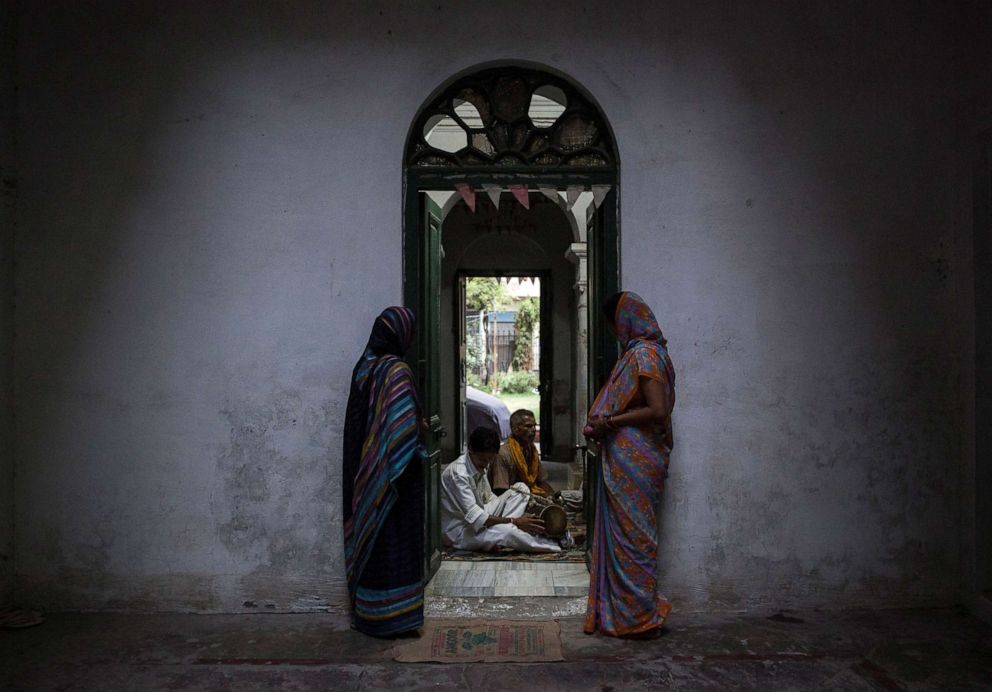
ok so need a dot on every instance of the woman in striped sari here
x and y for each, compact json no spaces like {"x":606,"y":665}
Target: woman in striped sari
{"x":631,"y":419}
{"x":383,"y":484}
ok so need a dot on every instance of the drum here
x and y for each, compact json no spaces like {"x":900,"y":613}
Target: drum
{"x":555,"y":521}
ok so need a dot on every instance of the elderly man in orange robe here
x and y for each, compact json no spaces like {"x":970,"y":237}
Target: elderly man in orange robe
{"x":519,"y":460}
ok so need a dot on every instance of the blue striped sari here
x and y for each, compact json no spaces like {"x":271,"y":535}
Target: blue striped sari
{"x":383,"y":485}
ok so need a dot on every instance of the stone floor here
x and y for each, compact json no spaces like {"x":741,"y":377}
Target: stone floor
{"x":862,"y":650}
{"x":505,"y":578}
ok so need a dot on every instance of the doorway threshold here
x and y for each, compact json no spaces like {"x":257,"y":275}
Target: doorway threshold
{"x":505,"y":608}
{"x":507,"y":589}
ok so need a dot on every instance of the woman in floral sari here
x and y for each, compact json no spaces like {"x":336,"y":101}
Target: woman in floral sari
{"x":631,"y":419}
{"x":383,"y":484}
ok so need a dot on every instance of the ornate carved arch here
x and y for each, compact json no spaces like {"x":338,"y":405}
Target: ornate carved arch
{"x":511,"y":117}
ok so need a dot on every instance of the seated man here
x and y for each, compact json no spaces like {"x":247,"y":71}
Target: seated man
{"x":519,"y":460}
{"x":472,"y":517}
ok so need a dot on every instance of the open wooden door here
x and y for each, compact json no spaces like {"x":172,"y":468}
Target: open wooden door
{"x":604,"y":281}
{"x":461,"y":344}
{"x":428,"y":372}
{"x":545,"y":366}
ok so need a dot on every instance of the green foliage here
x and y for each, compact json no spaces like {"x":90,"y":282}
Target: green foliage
{"x":518,"y":382}
{"x":473,"y":380}
{"x":475,"y":356}
{"x":528,"y":314}
{"x":530,"y":401}
{"x":484,"y":293}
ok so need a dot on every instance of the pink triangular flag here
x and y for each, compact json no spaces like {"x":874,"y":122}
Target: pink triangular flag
{"x":467,"y":193}
{"x":520,"y":192}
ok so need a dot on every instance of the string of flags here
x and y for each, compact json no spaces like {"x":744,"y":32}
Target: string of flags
{"x":522,"y":194}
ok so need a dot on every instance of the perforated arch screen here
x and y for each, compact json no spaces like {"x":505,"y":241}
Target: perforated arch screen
{"x":511,"y":117}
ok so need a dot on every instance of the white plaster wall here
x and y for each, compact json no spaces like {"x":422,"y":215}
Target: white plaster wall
{"x":210,"y":218}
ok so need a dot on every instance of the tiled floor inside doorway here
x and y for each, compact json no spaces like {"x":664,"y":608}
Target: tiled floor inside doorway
{"x":470,"y":579}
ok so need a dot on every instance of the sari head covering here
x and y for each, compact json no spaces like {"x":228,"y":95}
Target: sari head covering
{"x":634,"y":320}
{"x":392,"y":335}
{"x":382,"y":483}
{"x":644,"y":355}
{"x":623,"y":598}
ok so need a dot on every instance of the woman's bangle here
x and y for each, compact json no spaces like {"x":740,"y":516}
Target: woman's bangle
{"x":512,"y":523}
{"x":610,"y":423}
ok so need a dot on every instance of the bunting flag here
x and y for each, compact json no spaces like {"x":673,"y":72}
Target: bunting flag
{"x":549,"y":192}
{"x":440,"y":198}
{"x":599,"y":193}
{"x":494,"y":192}
{"x":467,"y":193}
{"x":520,"y":192}
{"x":572,"y":194}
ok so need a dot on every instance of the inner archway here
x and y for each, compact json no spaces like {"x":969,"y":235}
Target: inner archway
{"x":507,"y":242}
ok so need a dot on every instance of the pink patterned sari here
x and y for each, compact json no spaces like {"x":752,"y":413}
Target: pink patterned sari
{"x":623,"y":595}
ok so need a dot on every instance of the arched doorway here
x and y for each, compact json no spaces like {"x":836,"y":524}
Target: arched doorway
{"x":503,"y":135}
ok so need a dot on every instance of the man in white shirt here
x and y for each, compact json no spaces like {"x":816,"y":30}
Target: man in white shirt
{"x":473,"y":518}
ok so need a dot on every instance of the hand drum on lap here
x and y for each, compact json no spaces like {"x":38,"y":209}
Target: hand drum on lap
{"x":555,"y":521}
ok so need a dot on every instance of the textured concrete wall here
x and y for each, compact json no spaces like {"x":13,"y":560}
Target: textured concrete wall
{"x":210,"y":218}
{"x":8,"y":198}
{"x":974,"y":144}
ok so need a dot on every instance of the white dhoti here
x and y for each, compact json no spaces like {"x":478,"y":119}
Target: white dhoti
{"x":510,"y":505}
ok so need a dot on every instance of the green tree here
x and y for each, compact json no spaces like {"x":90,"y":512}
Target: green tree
{"x":484,"y":293}
{"x":528,"y":314}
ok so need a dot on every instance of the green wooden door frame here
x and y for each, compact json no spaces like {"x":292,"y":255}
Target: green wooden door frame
{"x":603,"y":243}
{"x":424,"y":360}
{"x":604,"y":280}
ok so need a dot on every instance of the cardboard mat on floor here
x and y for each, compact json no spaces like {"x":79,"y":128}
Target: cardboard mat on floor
{"x":464,"y":640}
